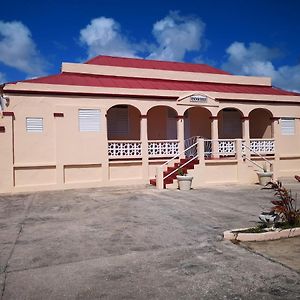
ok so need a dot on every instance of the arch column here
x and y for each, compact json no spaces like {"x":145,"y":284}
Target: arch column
{"x":104,"y":137}
{"x":276,"y":137}
{"x":144,"y":141}
{"x":215,"y":136}
{"x":180,"y":134}
{"x":246,"y":128}
{"x":246,"y":135}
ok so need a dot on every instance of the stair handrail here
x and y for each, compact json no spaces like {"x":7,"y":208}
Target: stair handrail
{"x":180,"y":166}
{"x":178,"y":154}
{"x":251,"y":150}
{"x":253,"y":162}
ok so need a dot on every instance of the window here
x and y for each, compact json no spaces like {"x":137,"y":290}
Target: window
{"x":287,"y":126}
{"x":34,"y":125}
{"x":118,"y":123}
{"x":89,"y":120}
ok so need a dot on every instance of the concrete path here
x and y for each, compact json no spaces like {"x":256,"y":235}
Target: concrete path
{"x":136,"y":243}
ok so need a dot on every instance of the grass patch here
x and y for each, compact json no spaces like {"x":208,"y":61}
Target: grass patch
{"x":258,"y":229}
{"x":261,"y":228}
{"x":286,"y":225}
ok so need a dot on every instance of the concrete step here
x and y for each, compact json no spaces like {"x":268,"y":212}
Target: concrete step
{"x":171,"y":178}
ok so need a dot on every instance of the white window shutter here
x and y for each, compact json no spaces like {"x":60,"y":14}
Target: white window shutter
{"x":287,"y":126}
{"x":89,"y":120}
{"x":34,"y":125}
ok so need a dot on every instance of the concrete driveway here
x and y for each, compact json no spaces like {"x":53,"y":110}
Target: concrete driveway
{"x":136,"y":243}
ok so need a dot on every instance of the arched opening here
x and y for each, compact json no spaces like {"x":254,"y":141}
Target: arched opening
{"x":197,"y":122}
{"x":260,"y":124}
{"x":162,"y":123}
{"x":230,"y":123}
{"x":123,"y":123}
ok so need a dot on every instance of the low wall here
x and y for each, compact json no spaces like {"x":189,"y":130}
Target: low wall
{"x":289,"y":166}
{"x":49,"y":176}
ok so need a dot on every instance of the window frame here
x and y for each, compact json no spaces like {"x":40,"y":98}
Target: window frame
{"x":287,"y":130}
{"x":86,"y":125}
{"x":34,"y":128}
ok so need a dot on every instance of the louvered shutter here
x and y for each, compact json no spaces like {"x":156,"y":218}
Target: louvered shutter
{"x":118,"y":121}
{"x":287,"y":126}
{"x":34,"y":125}
{"x":89,"y":120}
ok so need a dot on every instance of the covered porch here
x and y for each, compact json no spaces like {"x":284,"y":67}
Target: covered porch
{"x":164,"y":132}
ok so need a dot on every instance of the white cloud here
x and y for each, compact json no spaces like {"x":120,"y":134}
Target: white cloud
{"x":103,"y":36}
{"x":289,"y":77}
{"x":175,"y":35}
{"x":18,"y":50}
{"x":2,"y":78}
{"x":256,"y":59}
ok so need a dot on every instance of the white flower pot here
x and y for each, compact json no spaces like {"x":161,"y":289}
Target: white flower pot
{"x":264,"y":177}
{"x":184,"y":182}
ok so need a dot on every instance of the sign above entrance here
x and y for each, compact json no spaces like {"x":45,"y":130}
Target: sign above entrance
{"x":198,"y":98}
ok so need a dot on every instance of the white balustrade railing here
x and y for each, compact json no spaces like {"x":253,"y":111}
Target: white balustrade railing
{"x":163,"y":148}
{"x":261,"y":146}
{"x":224,"y":147}
{"x":124,"y":149}
{"x":169,"y":148}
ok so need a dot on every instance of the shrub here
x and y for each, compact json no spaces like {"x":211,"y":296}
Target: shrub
{"x":285,"y":205}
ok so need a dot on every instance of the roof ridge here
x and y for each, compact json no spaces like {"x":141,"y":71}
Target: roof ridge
{"x":150,"y":60}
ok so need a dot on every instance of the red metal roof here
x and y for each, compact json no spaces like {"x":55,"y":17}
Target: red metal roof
{"x":153,"y":64}
{"x":156,"y":84}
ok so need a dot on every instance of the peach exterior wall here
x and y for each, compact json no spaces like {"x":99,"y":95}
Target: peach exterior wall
{"x":62,"y":157}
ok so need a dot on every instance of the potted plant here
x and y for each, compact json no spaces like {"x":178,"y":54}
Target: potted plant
{"x":184,"y":180}
{"x":266,"y":176}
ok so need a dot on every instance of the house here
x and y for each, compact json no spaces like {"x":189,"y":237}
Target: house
{"x":113,"y":121}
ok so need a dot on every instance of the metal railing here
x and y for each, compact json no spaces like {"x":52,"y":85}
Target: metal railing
{"x":258,"y":154}
{"x":177,"y":156}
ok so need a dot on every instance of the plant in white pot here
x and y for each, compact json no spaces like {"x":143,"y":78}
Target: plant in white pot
{"x":265,"y":176}
{"x":184,"y":180}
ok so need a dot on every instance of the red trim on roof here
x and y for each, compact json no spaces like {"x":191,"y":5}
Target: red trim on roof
{"x":153,"y":64}
{"x":155,"y":84}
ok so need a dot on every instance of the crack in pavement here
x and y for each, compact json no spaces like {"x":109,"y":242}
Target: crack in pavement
{"x":21,"y":224}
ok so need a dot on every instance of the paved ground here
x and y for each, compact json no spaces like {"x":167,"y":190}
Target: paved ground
{"x":136,"y":243}
{"x":285,"y":251}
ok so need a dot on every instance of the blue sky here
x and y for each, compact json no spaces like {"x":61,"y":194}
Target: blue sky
{"x":242,"y":37}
